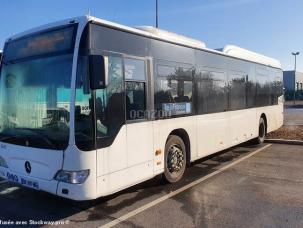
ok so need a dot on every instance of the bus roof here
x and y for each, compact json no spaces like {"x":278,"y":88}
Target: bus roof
{"x":149,"y":31}
{"x":173,"y":37}
{"x":242,"y":53}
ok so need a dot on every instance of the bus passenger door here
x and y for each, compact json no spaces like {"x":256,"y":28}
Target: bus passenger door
{"x":111,"y":128}
{"x":139,"y":130}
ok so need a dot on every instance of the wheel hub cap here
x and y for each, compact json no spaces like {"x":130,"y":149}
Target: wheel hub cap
{"x":175,"y":159}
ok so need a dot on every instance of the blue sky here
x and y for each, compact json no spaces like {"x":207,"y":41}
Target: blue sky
{"x":271,"y":27}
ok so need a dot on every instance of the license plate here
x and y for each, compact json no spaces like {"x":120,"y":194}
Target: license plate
{"x":22,"y":180}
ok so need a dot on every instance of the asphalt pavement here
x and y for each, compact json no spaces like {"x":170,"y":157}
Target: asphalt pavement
{"x":293,"y":116}
{"x":246,"y":186}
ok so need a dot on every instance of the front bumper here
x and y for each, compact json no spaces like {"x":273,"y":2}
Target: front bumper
{"x":43,"y":185}
{"x":78,"y":192}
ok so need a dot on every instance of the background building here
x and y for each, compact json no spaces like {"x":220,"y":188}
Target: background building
{"x":293,"y":81}
{"x":289,"y":79}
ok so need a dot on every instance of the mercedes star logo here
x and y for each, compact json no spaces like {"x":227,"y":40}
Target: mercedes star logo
{"x":28,"y":167}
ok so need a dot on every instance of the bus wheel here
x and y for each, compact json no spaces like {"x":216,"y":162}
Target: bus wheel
{"x":262,"y":132}
{"x":175,"y":159}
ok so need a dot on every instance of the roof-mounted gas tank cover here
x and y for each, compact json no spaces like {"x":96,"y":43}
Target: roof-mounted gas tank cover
{"x":242,"y":53}
{"x":173,"y":37}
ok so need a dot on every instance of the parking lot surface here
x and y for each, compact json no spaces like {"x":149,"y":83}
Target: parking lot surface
{"x":293,"y":116}
{"x":247,"y":186}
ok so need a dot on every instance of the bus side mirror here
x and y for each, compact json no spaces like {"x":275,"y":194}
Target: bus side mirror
{"x":98,"y":71}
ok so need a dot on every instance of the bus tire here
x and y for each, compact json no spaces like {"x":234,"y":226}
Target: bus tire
{"x":262,"y":132}
{"x":174,"y":159}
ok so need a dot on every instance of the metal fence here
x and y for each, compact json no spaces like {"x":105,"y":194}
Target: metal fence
{"x":289,"y":98}
{"x":289,"y":95}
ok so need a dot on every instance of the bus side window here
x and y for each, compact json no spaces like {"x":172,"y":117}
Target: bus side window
{"x":135,"y":88}
{"x":173,"y":85}
{"x":263,"y":95}
{"x":212,"y":91}
{"x":135,"y":100}
{"x":237,"y":94}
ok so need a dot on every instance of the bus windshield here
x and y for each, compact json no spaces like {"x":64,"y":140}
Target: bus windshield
{"x":35,"y":95}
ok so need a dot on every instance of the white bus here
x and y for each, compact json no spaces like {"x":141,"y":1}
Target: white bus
{"x":90,"y":107}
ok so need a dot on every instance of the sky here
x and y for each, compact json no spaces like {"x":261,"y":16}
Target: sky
{"x":269,"y":27}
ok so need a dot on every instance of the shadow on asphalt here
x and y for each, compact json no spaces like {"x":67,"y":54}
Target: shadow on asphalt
{"x":26,"y":204}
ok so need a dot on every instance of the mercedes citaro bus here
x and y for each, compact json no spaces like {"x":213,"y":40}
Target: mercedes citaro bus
{"x":90,"y":107}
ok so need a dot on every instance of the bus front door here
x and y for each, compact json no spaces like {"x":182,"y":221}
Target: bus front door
{"x":139,"y":131}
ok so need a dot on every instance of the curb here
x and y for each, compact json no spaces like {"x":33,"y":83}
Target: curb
{"x":285,"y":141}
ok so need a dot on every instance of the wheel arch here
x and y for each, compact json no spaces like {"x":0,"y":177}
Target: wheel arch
{"x":182,"y":133}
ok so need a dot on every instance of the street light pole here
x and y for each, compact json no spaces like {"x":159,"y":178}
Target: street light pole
{"x":295,"y":54}
{"x":157,"y":15}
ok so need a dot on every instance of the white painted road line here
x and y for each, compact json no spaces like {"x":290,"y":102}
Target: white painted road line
{"x":174,"y":193}
{"x":3,"y":181}
{"x":8,"y":190}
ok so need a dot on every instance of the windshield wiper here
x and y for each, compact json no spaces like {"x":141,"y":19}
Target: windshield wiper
{"x":8,"y":138}
{"x":40,"y":135}
{"x":28,"y":137}
{"x":7,"y":62}
{"x":48,"y":141}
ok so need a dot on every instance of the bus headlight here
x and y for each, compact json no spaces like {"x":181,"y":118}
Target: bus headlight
{"x":72,"y":177}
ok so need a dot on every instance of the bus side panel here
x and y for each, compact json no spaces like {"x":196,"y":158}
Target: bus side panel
{"x":114,"y":157}
{"x":111,"y":160}
{"x":213,"y":133}
{"x":117,"y":181}
{"x":140,"y":144}
{"x":128,"y":161}
{"x":162,"y":129}
{"x":274,"y":116}
{"x":243,"y":126}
